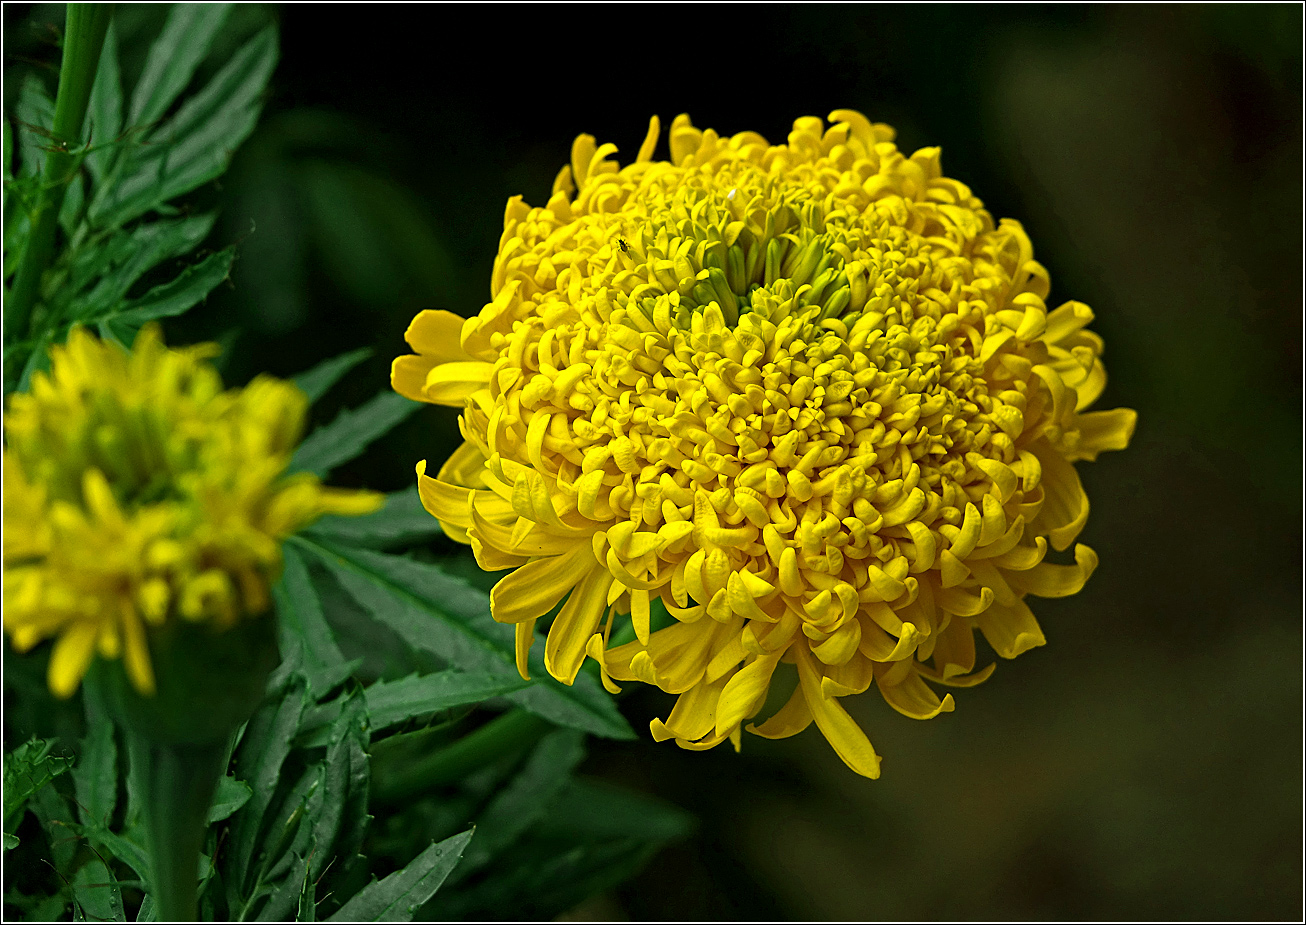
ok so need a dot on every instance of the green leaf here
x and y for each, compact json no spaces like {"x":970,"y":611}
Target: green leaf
{"x":306,"y":910}
{"x":196,"y":145}
{"x":56,"y":818}
{"x":400,"y":522}
{"x":35,"y":114}
{"x":302,"y":622}
{"x":354,"y":818}
{"x":96,"y":773}
{"x":287,"y":894}
{"x":73,"y":200}
{"x":525,"y":800}
{"x":27,"y":769}
{"x":258,"y":760}
{"x":128,"y":848}
{"x":8,"y":151}
{"x":186,"y":38}
{"x":399,"y":895}
{"x":433,"y":611}
{"x":231,"y":795}
{"x":142,"y":249}
{"x":317,"y":381}
{"x":591,"y":837}
{"x":104,"y":115}
{"x":392,"y":702}
{"x":97,"y":893}
{"x":592,"y":810}
{"x":352,"y":432}
{"x":11,"y":841}
{"x":38,"y":361}
{"x":173,"y":298}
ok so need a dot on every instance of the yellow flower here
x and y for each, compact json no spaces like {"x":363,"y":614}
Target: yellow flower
{"x":137,"y":491}
{"x":807,"y":395}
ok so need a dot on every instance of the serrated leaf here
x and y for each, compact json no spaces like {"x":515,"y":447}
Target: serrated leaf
{"x":8,"y":150}
{"x":173,"y":298}
{"x":56,"y":817}
{"x":97,"y":893}
{"x":196,"y":145}
{"x":592,"y":810}
{"x":71,"y":208}
{"x":401,"y":521}
{"x":433,"y":611}
{"x":352,"y":432}
{"x":285,"y":896}
{"x":143,"y":248}
{"x":302,"y":622}
{"x":258,"y":760}
{"x":187,"y":36}
{"x":128,"y":848}
{"x":317,"y":381}
{"x":35,"y":114}
{"x":104,"y":114}
{"x":399,"y":895}
{"x":354,"y":818}
{"x":231,"y":795}
{"x":38,"y":361}
{"x":518,"y":806}
{"x":27,"y":769}
{"x":392,"y":702}
{"x":96,"y":773}
{"x":306,"y":909}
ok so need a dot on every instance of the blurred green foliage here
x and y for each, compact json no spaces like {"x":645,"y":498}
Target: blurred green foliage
{"x":1147,"y":762}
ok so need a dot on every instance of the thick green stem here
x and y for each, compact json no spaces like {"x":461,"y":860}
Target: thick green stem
{"x":83,"y":40}
{"x":397,"y":780}
{"x":178,"y":782}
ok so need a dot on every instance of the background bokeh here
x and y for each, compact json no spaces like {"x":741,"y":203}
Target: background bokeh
{"x":1146,"y":763}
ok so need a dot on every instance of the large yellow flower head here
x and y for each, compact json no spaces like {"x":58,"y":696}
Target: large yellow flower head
{"x":137,"y":491}
{"x":808,"y":396}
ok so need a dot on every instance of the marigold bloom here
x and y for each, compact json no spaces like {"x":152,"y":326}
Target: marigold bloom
{"x":137,"y":491}
{"x":807,"y":395}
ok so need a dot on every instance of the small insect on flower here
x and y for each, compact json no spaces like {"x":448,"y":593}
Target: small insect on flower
{"x":625,"y":247}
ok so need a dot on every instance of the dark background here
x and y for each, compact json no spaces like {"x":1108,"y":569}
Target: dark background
{"x":1146,"y":763}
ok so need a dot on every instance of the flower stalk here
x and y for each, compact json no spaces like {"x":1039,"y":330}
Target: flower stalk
{"x":84,"y":33}
{"x":177,"y":783}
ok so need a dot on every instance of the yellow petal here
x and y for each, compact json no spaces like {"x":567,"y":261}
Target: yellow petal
{"x":564,"y":649}
{"x":437,"y":335}
{"x":534,"y":589}
{"x":449,"y":504}
{"x":1010,"y":630}
{"x":1100,"y":431}
{"x":789,"y":720}
{"x":524,"y":633}
{"x":839,"y":729}
{"x":745,"y":692}
{"x":454,"y":383}
{"x":408,"y":376}
{"x":71,"y":656}
{"x":1065,"y":505}
{"x":136,"y":655}
{"x":1048,"y":580}
{"x":912,"y":697}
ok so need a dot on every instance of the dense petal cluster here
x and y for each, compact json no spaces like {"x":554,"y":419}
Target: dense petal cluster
{"x":807,"y":396}
{"x":137,"y":491}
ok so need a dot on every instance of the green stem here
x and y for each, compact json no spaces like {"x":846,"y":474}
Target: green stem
{"x":397,"y":780}
{"x":83,"y":40}
{"x":178,"y":782}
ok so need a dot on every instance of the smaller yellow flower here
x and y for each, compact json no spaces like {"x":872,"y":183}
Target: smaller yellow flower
{"x":137,"y":491}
